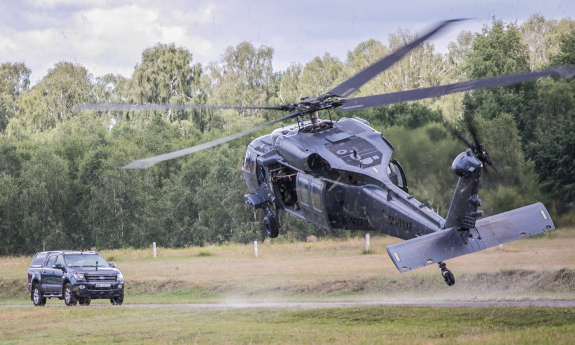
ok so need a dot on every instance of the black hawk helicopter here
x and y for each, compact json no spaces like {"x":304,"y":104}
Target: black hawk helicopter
{"x":341,"y":175}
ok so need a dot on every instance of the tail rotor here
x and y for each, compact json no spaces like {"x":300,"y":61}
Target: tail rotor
{"x":477,"y":147}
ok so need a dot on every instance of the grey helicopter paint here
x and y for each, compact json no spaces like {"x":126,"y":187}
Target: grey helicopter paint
{"x":334,"y":178}
{"x":341,"y":175}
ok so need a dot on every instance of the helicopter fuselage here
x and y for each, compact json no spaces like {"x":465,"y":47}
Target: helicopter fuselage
{"x":335,"y":175}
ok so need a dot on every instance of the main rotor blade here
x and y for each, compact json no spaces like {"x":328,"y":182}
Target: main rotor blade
{"x":148,"y":162}
{"x":352,"y":84}
{"x":565,"y":71}
{"x":138,"y":107}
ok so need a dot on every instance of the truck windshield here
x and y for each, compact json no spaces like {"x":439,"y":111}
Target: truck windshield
{"x":85,"y":260}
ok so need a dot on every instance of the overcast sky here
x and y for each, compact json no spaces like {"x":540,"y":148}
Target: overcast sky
{"x":109,"y":36}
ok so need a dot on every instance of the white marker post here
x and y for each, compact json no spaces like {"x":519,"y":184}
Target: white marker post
{"x":256,"y":248}
{"x":367,"y":242}
{"x":154,"y":246}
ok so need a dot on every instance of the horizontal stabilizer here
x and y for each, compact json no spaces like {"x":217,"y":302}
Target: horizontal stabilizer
{"x":490,"y":231}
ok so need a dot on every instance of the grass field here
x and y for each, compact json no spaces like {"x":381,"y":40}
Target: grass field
{"x":364,"y":325}
{"x":541,"y":268}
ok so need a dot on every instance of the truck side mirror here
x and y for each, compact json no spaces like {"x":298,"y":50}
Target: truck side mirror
{"x":58,"y":266}
{"x":112,"y":264}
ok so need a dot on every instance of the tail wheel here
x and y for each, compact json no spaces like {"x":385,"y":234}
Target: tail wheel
{"x":69,"y":298}
{"x":449,"y":278}
{"x":37,"y":296}
{"x":271,"y":226}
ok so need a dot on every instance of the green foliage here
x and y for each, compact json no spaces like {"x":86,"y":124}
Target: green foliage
{"x":14,"y":80}
{"x":50,"y":102}
{"x":541,"y":36}
{"x":61,"y":186}
{"x":411,"y":115}
{"x":566,"y":54}
{"x":164,"y":72}
{"x":499,"y":51}
{"x":244,"y":76}
{"x":552,"y":151}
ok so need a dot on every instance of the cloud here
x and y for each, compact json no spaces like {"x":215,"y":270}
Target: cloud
{"x":108,"y":36}
{"x":103,"y":39}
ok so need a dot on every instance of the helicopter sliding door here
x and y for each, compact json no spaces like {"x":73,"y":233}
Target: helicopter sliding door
{"x":311,"y":197}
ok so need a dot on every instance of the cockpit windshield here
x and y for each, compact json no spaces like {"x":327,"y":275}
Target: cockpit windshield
{"x":85,"y":260}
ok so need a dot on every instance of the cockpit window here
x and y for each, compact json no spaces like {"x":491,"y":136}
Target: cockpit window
{"x":247,"y":161}
{"x":396,"y":175}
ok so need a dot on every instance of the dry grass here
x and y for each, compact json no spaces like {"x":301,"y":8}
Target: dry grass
{"x":525,"y":269}
{"x":540,"y":268}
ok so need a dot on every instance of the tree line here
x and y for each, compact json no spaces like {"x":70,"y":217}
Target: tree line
{"x":61,"y":186}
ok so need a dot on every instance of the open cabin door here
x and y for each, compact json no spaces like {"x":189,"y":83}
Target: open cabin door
{"x":311,"y":198}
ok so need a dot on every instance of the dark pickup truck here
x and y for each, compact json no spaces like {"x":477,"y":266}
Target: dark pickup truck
{"x":74,"y":277}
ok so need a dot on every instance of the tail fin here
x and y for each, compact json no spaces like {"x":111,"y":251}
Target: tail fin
{"x":463,"y":209}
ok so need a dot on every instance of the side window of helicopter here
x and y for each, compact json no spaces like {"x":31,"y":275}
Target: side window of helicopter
{"x":302,"y":192}
{"x":253,"y":163}
{"x":396,"y":175}
{"x":262,"y":175}
{"x":316,"y":196}
{"x":247,"y":161}
{"x":253,"y":167}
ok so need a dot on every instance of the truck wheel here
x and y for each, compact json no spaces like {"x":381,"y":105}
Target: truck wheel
{"x":37,"y":296}
{"x":85,"y":301}
{"x":117,"y":300}
{"x":69,"y":298}
{"x":271,"y":226}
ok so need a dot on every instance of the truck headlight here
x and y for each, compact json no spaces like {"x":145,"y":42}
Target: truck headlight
{"x":120,"y":278}
{"x":79,"y":276}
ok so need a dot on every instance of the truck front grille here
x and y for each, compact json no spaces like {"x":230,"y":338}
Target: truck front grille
{"x":101,"y":278}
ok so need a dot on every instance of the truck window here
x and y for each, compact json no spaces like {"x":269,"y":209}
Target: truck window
{"x":59,"y":260}
{"x":51,"y":261}
{"x":38,"y":260}
{"x":85,"y":260}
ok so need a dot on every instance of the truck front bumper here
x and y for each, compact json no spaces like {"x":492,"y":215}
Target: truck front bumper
{"x":98,"y":290}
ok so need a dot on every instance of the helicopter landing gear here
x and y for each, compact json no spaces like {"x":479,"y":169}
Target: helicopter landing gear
{"x":446,"y":273}
{"x":271,"y":226}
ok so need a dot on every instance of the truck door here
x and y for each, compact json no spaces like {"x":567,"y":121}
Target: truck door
{"x":311,"y":197}
{"x":52,"y":277}
{"x":47,"y":279}
{"x":57,"y":274}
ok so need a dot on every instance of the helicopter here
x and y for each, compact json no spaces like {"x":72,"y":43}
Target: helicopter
{"x":341,"y":174}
